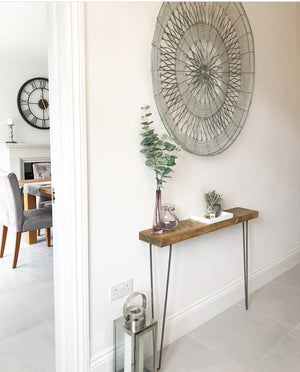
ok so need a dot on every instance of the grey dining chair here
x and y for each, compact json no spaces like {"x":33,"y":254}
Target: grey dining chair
{"x":13,"y":216}
{"x":42,"y":170}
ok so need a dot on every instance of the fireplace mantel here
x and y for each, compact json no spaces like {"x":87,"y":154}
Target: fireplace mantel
{"x":26,"y":145}
{"x":14,"y":155}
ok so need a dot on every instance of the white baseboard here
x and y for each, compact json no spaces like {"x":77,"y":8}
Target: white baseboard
{"x":103,"y":362}
{"x":183,"y":322}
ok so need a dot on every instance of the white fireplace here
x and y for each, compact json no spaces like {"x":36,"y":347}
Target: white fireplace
{"x":14,"y":156}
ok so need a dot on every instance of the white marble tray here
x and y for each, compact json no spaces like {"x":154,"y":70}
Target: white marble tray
{"x":223,"y":216}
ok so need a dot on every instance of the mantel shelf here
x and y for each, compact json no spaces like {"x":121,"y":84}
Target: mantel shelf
{"x":190,"y":229}
{"x":26,"y":145}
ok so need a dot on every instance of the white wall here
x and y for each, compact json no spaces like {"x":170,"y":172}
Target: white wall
{"x":23,"y":55}
{"x":259,"y":171}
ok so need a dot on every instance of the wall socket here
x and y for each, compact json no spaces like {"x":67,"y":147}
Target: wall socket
{"x":120,"y":290}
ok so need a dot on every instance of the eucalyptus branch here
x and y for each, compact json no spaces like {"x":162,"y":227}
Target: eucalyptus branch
{"x":157,"y":150}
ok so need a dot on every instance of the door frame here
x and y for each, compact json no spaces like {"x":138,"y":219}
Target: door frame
{"x":66,"y":58}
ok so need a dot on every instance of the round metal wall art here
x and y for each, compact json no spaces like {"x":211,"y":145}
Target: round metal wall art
{"x":203,"y":73}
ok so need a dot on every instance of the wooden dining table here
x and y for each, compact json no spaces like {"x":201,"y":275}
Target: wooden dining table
{"x":30,"y":203}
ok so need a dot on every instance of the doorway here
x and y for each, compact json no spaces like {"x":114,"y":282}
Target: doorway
{"x":26,"y":293}
{"x":66,"y":66}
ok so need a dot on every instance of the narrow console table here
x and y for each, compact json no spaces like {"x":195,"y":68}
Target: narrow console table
{"x":188,"y":229}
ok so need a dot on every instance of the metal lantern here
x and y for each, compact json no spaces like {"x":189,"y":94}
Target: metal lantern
{"x":135,"y":338}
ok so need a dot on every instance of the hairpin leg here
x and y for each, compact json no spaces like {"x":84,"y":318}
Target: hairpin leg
{"x":165,"y":308}
{"x":151,"y":281}
{"x":245,"y":253}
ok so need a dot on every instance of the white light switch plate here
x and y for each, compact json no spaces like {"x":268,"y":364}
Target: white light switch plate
{"x":120,"y":290}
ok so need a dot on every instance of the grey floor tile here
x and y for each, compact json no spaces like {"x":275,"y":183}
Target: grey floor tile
{"x":277,"y":301}
{"x":41,"y":268}
{"x":285,"y":357}
{"x":30,"y":351}
{"x":12,"y":279}
{"x":40,"y":300}
{"x":27,"y":252}
{"x":6,"y":365}
{"x":290,"y":278}
{"x":26,"y":309}
{"x":33,"y":267}
{"x":186,"y":355}
{"x":244,"y":336}
{"x":15,"y":317}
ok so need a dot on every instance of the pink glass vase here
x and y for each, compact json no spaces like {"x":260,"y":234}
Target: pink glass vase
{"x":157,"y":218}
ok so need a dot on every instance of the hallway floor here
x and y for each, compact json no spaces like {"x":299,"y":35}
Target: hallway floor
{"x":266,"y":338}
{"x":26,"y":309}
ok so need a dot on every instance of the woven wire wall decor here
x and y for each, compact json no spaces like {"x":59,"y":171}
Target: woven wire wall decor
{"x":203,"y":73}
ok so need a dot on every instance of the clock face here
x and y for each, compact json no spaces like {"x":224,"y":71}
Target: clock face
{"x":33,"y":102}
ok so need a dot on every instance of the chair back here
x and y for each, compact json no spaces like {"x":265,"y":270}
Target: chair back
{"x":41,"y":170}
{"x":11,"y":204}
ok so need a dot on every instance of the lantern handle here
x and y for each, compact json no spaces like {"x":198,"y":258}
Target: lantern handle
{"x":131,"y":297}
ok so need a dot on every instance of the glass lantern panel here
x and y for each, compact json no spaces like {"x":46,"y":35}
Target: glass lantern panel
{"x":134,"y":352}
{"x":145,"y":350}
{"x":124,"y":357}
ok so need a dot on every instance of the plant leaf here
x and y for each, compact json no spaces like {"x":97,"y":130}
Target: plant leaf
{"x":167,"y":171}
{"x":169,"y":146}
{"x":148,"y":133}
{"x":147,"y":141}
{"x":149,"y":162}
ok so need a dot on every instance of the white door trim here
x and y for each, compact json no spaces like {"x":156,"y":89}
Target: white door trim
{"x":69,"y":177}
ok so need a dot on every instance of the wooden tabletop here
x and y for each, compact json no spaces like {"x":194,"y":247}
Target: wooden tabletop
{"x":43,"y":190}
{"x":189,"y":228}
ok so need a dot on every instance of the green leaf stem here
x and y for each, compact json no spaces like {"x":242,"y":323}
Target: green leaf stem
{"x":157,"y":150}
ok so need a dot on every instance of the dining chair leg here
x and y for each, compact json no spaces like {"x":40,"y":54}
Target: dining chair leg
{"x":17,"y":248}
{"x":48,"y":236}
{"x":3,"y":240}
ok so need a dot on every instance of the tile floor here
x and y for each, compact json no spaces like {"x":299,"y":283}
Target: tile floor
{"x":266,"y":338}
{"x":26,"y":309}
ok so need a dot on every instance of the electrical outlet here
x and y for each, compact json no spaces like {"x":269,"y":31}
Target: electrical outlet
{"x":120,"y":290}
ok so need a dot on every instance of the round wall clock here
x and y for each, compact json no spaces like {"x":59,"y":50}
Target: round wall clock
{"x":33,"y":102}
{"x":203,"y":73}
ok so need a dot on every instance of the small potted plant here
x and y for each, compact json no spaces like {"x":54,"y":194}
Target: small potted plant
{"x":213,"y":202}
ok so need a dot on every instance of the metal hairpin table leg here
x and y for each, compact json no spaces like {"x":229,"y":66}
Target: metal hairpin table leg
{"x":151,"y":281}
{"x":245,"y":253}
{"x":165,"y":308}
